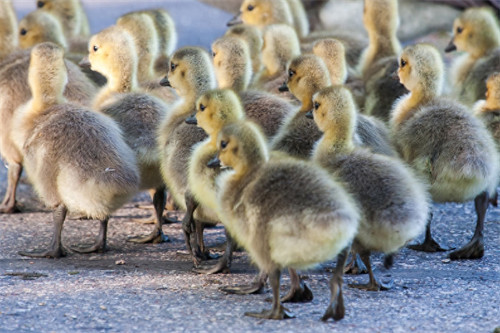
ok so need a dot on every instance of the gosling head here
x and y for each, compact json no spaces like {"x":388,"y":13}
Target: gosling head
{"x":9,"y":31}
{"x":190,"y":72}
{"x":307,"y":74}
{"x":334,"y":112}
{"x":232,"y":63}
{"x":217,"y":108}
{"x":281,"y":45}
{"x":253,"y":37}
{"x":241,"y":147}
{"x":332,"y":52}
{"x":142,"y":29}
{"x":70,"y":13}
{"x":380,"y":17}
{"x":421,"y":69}
{"x":112,"y":53}
{"x":476,"y":32}
{"x":38,"y":27}
{"x":264,"y":12}
{"x":47,"y":75}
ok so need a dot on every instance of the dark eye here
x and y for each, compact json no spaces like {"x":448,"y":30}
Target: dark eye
{"x":459,"y":30}
{"x":23,"y":32}
{"x":316,"y":105}
{"x":291,"y":73}
{"x":40,"y":4}
{"x":214,"y":54}
{"x":202,"y":107}
{"x":250,"y":8}
{"x":223,"y":144}
{"x":95,"y":48}
{"x":172,"y":66}
{"x":403,"y":63}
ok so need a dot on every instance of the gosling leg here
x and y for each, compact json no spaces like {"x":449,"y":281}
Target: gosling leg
{"x":100,"y":243}
{"x":152,"y":218}
{"x":429,"y":244}
{"x":373,"y":284}
{"x":224,"y":263}
{"x":355,"y":266}
{"x":475,"y":248}
{"x":336,"y":309}
{"x":8,"y":204}
{"x":55,"y":250}
{"x":156,"y":236}
{"x":299,"y":291}
{"x":278,"y":311}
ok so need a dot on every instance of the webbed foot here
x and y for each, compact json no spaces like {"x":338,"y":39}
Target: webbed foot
{"x":429,"y":245}
{"x":279,"y":314}
{"x":300,"y":294}
{"x":100,"y":248}
{"x":336,"y":312}
{"x":221,"y":267}
{"x":244,"y":289}
{"x":156,"y":237}
{"x":355,"y":266}
{"x":52,"y":253}
{"x":9,"y":209}
{"x":373,"y":286}
{"x":473,"y":250}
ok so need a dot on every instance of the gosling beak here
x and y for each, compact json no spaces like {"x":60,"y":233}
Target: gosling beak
{"x":192,"y":120}
{"x":235,"y":20}
{"x":451,"y":47}
{"x":283,"y":87}
{"x":84,"y":63}
{"x":214,"y":163}
{"x":165,"y":82}
{"x":310,"y":114}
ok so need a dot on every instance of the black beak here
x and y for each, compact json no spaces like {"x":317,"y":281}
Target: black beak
{"x":214,"y":163}
{"x":84,"y":63}
{"x":192,"y":120}
{"x":310,"y":115}
{"x":235,"y":20}
{"x":165,"y":82}
{"x":451,"y":47}
{"x":283,"y":87}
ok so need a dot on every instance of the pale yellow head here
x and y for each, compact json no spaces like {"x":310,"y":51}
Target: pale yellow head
{"x":242,"y":147}
{"x":191,"y":72}
{"x":253,"y":37}
{"x":307,"y":74}
{"x":265,"y":12}
{"x":476,"y":31}
{"x":332,"y":52}
{"x":38,"y":27}
{"x":421,"y":69}
{"x":217,"y":108}
{"x":232,"y":63}
{"x":381,"y":17}
{"x":71,"y":14}
{"x":47,"y":76}
{"x":8,"y":28}
{"x":112,"y":53}
{"x":142,"y":29}
{"x":335,"y":115}
{"x":281,"y":45}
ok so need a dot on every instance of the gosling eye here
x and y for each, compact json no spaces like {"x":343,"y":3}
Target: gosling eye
{"x":291,"y":73}
{"x":459,"y":30}
{"x":172,"y":67}
{"x":403,"y":63}
{"x":40,"y":4}
{"x":23,"y":32}
{"x":250,"y":8}
{"x":223,"y":144}
{"x":214,"y":54}
{"x":316,"y":105}
{"x":95,"y":48}
{"x":202,"y":107}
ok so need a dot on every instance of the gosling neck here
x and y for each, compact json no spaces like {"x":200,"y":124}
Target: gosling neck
{"x":406,"y":106}
{"x":44,"y":97}
{"x":336,"y":141}
{"x":380,"y":46}
{"x":124,"y":80}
